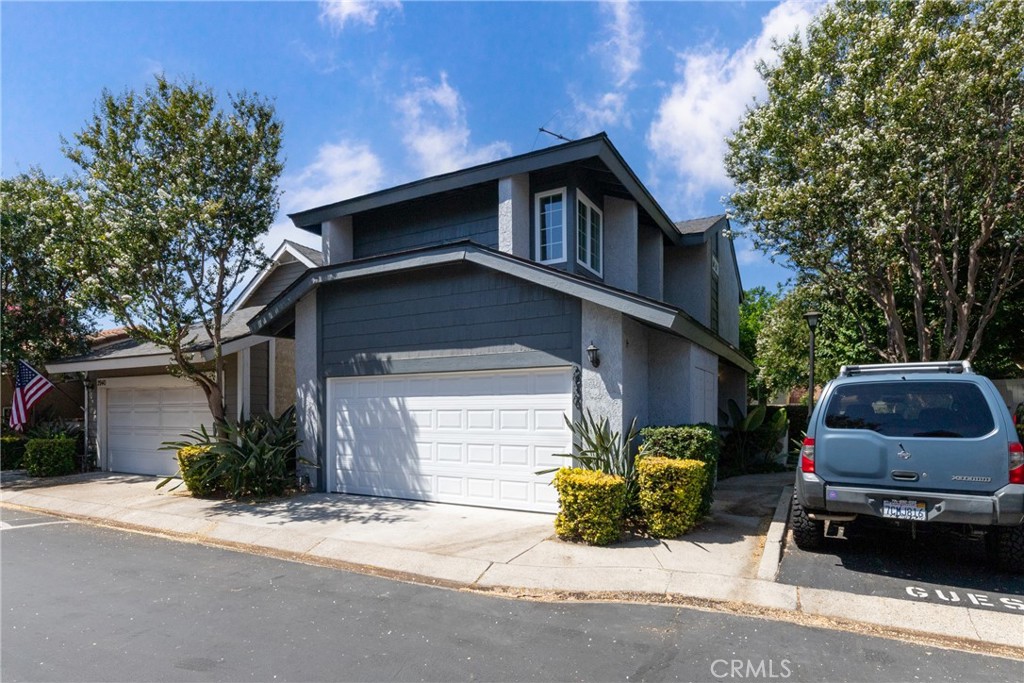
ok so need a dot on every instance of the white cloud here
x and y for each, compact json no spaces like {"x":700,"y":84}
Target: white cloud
{"x":436,"y":131}
{"x":746,"y":254}
{"x":340,"y":13}
{"x":283,"y":230}
{"x":620,"y":52}
{"x":688,"y":133}
{"x":341,"y":170}
{"x":621,"y":49}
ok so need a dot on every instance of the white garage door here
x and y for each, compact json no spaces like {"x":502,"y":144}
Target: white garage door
{"x":474,"y":438}
{"x":140,"y":418}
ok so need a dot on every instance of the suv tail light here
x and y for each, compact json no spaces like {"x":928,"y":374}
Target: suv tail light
{"x":1016,"y":463}
{"x":807,"y":456}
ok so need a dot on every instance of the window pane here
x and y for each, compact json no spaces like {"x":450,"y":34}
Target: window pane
{"x":908,"y":408}
{"x":551,"y":228}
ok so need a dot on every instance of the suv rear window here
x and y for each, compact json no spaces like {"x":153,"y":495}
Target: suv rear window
{"x":908,"y":408}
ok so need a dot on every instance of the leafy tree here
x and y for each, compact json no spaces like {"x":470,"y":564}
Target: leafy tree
{"x":177,"y":193}
{"x":784,"y":340}
{"x":756,"y":305}
{"x":44,"y":316}
{"x":887,"y":162}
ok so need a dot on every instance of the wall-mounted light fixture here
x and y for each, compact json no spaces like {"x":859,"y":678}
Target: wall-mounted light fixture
{"x":592,"y":354}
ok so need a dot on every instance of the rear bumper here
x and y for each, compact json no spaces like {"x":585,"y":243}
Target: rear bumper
{"x":1005,"y":507}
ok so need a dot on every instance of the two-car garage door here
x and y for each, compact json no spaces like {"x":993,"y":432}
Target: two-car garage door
{"x":474,"y":438}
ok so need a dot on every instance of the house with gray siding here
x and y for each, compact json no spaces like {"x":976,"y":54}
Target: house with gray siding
{"x":134,"y":404}
{"x":457,"y":319}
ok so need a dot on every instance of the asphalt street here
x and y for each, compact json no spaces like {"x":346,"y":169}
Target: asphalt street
{"x":83,"y":603}
{"x":938,"y":567}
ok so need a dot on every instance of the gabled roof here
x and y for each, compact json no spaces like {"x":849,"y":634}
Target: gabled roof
{"x":279,"y":313}
{"x":308,"y":256}
{"x":314,"y":256}
{"x":699,"y":230}
{"x":701,"y":226}
{"x":133,"y":354}
{"x":597,"y":147}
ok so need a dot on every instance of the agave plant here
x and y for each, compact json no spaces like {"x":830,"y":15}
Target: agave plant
{"x":603,"y":450}
{"x":252,"y":457}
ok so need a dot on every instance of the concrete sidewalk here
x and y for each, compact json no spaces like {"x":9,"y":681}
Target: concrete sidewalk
{"x":731,"y":559}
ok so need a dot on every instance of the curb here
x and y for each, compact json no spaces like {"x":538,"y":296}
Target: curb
{"x":772,"y":556}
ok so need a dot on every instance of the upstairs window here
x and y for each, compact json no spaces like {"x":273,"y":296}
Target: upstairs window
{"x":550,"y":226}
{"x":589,"y":235}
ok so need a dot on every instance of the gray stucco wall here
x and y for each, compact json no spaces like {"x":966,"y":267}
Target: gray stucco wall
{"x":336,"y":240}
{"x":514,"y":215}
{"x":687,"y":280}
{"x":729,"y":293}
{"x":454,"y":318}
{"x":307,"y":386}
{"x":620,"y":243}
{"x":650,"y":261}
{"x":669,"y":379}
{"x":636,"y":357}
{"x":472,"y":214}
{"x":602,"y":386}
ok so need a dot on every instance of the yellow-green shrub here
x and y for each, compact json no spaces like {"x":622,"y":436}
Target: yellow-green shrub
{"x":197,"y":466}
{"x":688,"y":442}
{"x":592,"y":505}
{"x":670,"y":494}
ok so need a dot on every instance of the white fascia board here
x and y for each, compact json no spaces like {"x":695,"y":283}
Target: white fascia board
{"x":123,"y":363}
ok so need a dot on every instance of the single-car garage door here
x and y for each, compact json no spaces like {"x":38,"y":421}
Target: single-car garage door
{"x":475,"y":438}
{"x":141,"y":416}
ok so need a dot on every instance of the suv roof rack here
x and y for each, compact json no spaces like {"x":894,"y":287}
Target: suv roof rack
{"x":948,"y":366}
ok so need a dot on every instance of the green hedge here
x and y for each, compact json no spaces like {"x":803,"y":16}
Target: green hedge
{"x":592,"y":505}
{"x":670,"y":494}
{"x":12,"y":450}
{"x":1020,"y":432}
{"x":198,"y":465}
{"x":49,"y":457}
{"x":700,"y":442}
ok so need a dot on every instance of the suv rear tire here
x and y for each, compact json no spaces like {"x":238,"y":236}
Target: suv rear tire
{"x":1008,"y":547}
{"x":808,"y":533}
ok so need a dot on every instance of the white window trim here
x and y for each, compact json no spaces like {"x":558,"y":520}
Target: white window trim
{"x":565,"y":224}
{"x":593,"y":207}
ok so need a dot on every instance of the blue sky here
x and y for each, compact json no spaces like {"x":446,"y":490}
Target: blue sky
{"x":373,"y":94}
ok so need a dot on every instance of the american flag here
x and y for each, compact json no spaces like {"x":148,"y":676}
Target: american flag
{"x":29,"y":387}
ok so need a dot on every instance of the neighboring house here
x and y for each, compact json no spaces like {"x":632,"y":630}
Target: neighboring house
{"x":453,"y":322}
{"x":134,"y":403}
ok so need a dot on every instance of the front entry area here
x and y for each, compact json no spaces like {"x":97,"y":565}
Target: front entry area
{"x":474,"y":438}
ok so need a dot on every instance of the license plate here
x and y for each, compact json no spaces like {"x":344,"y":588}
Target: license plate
{"x":913,"y":510}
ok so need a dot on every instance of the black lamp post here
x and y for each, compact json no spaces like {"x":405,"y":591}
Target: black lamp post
{"x":812,"y":318}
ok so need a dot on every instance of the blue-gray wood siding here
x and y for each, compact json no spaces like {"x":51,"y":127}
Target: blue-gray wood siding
{"x":471,"y":317}
{"x":470,"y":214}
{"x":276,"y":282}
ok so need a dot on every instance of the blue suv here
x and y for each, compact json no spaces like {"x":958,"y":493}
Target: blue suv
{"x":915,"y":444}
